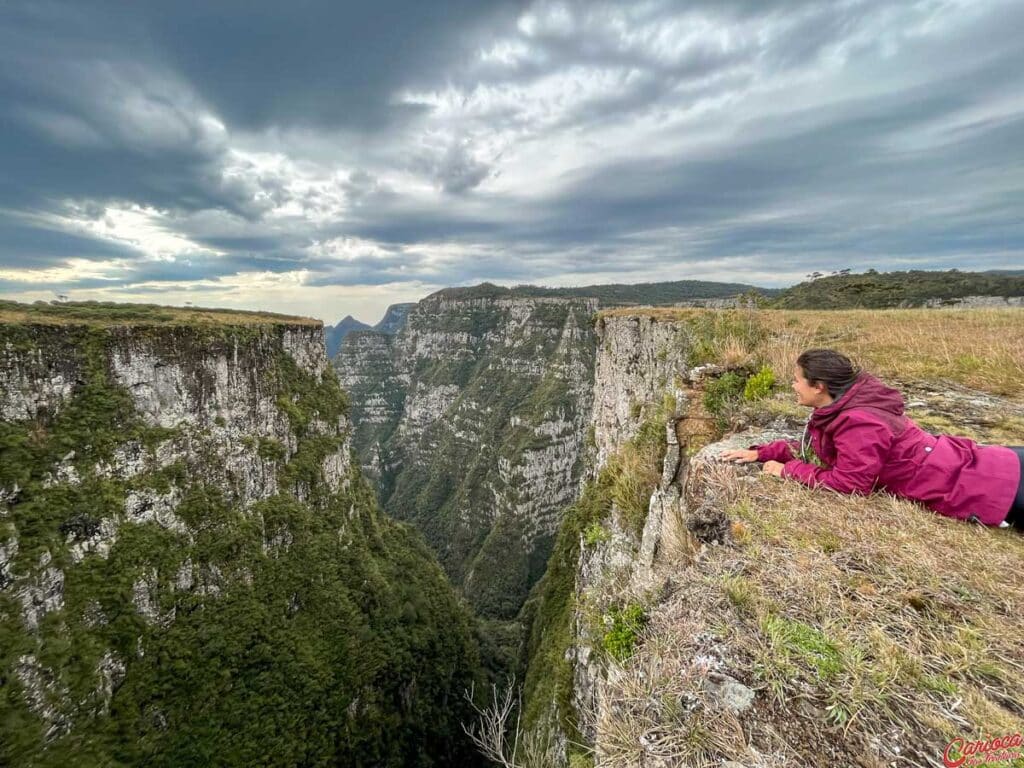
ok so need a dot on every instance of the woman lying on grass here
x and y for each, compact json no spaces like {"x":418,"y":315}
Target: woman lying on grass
{"x":858,"y":431}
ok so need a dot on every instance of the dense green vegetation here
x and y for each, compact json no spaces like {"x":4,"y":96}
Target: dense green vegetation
{"x":625,"y":626}
{"x":315,"y":633}
{"x":874,"y":290}
{"x":614,"y":294}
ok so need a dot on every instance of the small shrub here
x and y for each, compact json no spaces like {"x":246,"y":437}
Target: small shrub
{"x":624,"y":630}
{"x":669,"y":406}
{"x":807,"y":454}
{"x":269,"y":448}
{"x":760,"y":385}
{"x":795,"y":639}
{"x":720,"y":392}
{"x":724,"y":337}
{"x":939,"y":684}
{"x":595,"y":534}
{"x":741,"y":593}
{"x":633,"y":475}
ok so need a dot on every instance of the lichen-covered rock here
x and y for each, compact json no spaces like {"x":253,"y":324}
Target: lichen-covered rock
{"x":34,"y":379}
{"x":728,"y":693}
{"x":41,"y":593}
{"x":46,"y":697}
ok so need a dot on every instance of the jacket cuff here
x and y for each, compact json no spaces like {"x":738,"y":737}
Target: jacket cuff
{"x":776,"y":451}
{"x":792,"y":469}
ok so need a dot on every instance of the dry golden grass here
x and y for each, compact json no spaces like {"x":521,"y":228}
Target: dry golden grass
{"x":979,"y":348}
{"x":856,"y":620}
{"x":654,"y":710}
{"x":105,"y":314}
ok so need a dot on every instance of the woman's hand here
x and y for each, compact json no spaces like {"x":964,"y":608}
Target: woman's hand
{"x":738,"y":456}
{"x":773,"y":468}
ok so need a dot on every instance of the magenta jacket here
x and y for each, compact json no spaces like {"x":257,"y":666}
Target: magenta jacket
{"x":866,"y":443}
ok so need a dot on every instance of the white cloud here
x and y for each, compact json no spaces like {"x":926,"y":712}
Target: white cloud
{"x":72,"y":271}
{"x":144,"y":229}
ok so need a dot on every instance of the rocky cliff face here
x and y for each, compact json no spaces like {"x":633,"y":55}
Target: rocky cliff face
{"x":597,"y":555}
{"x":647,"y":408}
{"x":184,"y":540}
{"x":638,"y":361}
{"x":473,"y":418}
{"x":394,"y":318}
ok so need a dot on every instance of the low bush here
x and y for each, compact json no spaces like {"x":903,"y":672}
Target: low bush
{"x":624,"y":628}
{"x":760,"y":385}
{"x":595,"y":534}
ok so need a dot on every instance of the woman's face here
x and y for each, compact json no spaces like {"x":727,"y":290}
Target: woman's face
{"x":813,"y":396}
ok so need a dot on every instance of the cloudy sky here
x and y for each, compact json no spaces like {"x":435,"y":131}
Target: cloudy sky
{"x":327,"y":158}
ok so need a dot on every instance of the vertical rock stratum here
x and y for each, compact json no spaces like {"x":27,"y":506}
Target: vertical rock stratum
{"x":473,"y":419}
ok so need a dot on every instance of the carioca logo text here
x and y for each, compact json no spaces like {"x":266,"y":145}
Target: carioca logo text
{"x":958,"y":750}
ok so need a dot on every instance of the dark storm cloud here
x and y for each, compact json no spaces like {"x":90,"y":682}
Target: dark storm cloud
{"x":321,"y":63}
{"x":69,"y":73}
{"x":847,"y":164}
{"x":369,"y":143}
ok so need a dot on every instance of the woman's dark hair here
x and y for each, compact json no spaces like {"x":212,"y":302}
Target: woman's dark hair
{"x":831,"y":368}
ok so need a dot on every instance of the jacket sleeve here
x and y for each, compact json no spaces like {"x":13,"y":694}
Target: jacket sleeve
{"x":861,"y":447}
{"x":779,"y":450}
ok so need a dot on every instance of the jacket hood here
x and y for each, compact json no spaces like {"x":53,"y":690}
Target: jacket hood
{"x":866,"y":393}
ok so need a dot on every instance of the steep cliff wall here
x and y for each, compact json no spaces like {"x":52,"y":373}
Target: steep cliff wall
{"x":608,"y":538}
{"x":473,"y":418}
{"x":191,"y":569}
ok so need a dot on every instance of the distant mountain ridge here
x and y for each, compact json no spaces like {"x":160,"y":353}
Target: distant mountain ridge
{"x":394,"y":318}
{"x":915,"y":288}
{"x":333,"y":335}
{"x":391,"y":323}
{"x":613,"y":294}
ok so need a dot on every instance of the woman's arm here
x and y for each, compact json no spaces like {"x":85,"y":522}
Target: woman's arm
{"x":779,"y":450}
{"x":862,"y":445}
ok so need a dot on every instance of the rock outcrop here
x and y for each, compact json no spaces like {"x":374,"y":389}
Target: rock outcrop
{"x":975,"y":302}
{"x":650,"y":639}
